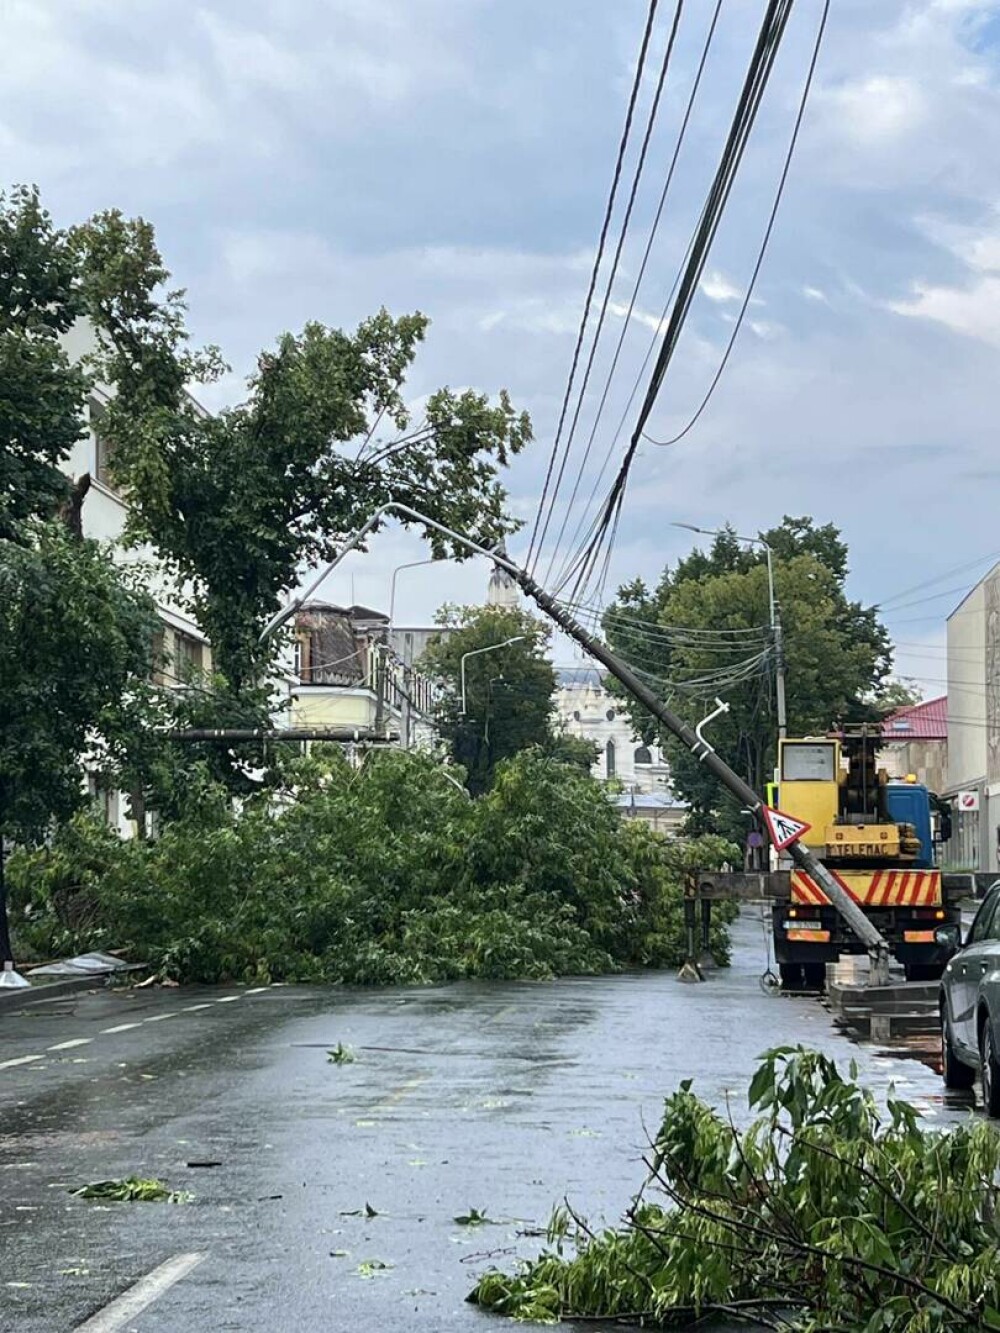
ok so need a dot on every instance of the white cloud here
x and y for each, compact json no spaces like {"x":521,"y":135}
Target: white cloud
{"x":973,"y":310}
{"x":718,"y":288}
{"x":879,"y":108}
{"x":814,"y":294}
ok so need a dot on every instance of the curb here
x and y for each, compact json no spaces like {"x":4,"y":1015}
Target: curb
{"x":15,"y":1000}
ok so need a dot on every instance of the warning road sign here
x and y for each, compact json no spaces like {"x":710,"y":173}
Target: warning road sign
{"x":784,"y":829}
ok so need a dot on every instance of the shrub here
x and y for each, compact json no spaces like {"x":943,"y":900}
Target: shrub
{"x":828,"y":1212}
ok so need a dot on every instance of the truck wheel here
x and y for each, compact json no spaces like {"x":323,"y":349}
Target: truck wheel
{"x":989,"y":1069}
{"x":923,"y":971}
{"x":814,"y":976}
{"x":953,"y":1071}
{"x":791,"y":976}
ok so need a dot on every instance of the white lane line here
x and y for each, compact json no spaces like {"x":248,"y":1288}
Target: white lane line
{"x":256,"y":990}
{"x":20,"y":1060}
{"x":227,"y":999}
{"x":138,"y":1297}
{"x":158,"y":1018}
{"x":189,"y":1008}
{"x":122,"y":1027}
{"x":68,"y":1045}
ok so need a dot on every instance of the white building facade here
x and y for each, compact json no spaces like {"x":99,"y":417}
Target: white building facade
{"x":974,"y":727}
{"x":586,"y":709}
{"x":182,"y":647}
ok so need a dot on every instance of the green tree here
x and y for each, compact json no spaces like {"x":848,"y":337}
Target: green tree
{"x":895,"y":694}
{"x":41,"y":393}
{"x":76,"y":631}
{"x":576,"y":751}
{"x":76,"y":642}
{"x":239,"y":503}
{"x":508,"y":690}
{"x":704,"y":632}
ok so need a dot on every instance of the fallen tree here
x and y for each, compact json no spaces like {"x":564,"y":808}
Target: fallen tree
{"x":827,"y":1214}
{"x":384,"y":875}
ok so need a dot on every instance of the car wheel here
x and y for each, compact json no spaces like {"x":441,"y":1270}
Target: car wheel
{"x":989,"y":1070}
{"x":953,"y":1071}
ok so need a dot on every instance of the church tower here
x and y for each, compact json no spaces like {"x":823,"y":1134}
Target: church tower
{"x":501,"y":590}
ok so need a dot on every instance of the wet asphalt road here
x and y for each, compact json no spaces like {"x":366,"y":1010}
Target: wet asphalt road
{"x":498,"y":1097}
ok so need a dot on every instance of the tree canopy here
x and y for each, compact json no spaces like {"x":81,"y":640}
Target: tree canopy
{"x":76,"y":631}
{"x":508,"y":690}
{"x":704,"y":631}
{"x":41,"y":393}
{"x":239,"y":503}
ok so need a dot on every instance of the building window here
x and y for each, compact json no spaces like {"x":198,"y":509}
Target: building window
{"x":610,"y":715}
{"x":642,"y":755}
{"x":609,"y":759}
{"x":102,"y":446}
{"x":188,"y":655}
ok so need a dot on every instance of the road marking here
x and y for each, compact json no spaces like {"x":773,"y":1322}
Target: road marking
{"x":138,"y":1297}
{"x":20,"y":1060}
{"x":189,"y":1008}
{"x":122,"y":1027}
{"x":399,"y":1093}
{"x":502,"y":1013}
{"x":227,"y":999}
{"x":256,"y":990}
{"x":158,"y":1018}
{"x":68,"y":1045}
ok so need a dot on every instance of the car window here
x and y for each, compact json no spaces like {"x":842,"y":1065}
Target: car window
{"x":982,"y":926}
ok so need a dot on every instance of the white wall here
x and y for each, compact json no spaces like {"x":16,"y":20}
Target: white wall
{"x":587,"y":710}
{"x":967,"y":691}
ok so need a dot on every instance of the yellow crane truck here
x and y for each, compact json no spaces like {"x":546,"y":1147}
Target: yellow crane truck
{"x":879,"y":836}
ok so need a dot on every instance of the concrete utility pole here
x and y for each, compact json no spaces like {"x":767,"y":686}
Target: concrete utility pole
{"x":774,"y":616}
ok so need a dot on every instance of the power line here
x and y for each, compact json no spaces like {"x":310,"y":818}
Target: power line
{"x":598,"y":259}
{"x":766,"y":239}
{"x":758,"y":74}
{"x":623,"y":233}
{"x":641,"y":273}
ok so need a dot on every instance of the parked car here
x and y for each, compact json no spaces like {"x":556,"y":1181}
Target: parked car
{"x":970,"y":1007}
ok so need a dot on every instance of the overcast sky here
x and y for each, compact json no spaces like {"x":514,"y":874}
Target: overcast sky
{"x":319,"y":159}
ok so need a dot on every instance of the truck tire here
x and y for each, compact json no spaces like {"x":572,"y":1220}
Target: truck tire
{"x":989,"y":1068}
{"x":814,"y":976}
{"x":791,"y":976}
{"x":953,"y":1071}
{"x":923,"y":971}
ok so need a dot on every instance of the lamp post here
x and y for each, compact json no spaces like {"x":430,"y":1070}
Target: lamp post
{"x":474,"y":652}
{"x":410,"y":564}
{"x":774,"y":612}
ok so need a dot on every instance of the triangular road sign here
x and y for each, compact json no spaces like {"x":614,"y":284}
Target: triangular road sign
{"x":784,"y":829}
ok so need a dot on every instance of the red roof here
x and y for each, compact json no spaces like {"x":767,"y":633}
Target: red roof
{"x":920,"y":722}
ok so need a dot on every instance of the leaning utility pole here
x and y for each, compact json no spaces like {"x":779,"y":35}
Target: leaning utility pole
{"x":878,"y":950}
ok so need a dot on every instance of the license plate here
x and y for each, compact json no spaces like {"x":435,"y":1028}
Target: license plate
{"x":803,"y":925}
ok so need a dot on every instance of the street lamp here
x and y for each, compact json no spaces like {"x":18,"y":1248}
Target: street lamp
{"x":775,"y":615}
{"x":411,"y":564}
{"x":474,"y":652}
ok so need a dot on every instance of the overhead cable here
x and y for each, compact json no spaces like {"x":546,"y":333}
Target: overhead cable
{"x":642,"y":266}
{"x":758,"y":74}
{"x":764,"y":242}
{"x":598,"y":259}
